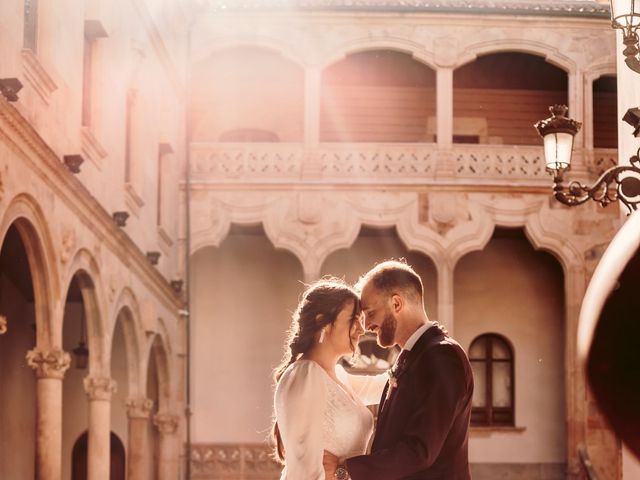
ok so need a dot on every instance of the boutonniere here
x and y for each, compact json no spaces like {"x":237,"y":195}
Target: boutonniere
{"x":394,"y":374}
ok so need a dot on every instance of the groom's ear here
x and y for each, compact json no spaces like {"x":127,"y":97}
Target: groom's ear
{"x":397,"y":302}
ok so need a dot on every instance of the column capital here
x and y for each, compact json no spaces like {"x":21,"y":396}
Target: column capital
{"x":99,"y":388}
{"x":49,"y":363}
{"x":139,"y":407}
{"x":166,"y":423}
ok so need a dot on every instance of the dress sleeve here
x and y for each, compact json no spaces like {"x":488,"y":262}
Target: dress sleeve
{"x":368,"y":388}
{"x":300,"y":408}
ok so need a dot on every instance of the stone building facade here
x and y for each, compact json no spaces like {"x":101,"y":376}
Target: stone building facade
{"x":74,"y":272}
{"x":256,"y":146}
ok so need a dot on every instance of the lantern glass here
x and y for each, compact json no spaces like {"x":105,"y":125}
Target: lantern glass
{"x":81,"y":354}
{"x":625,"y":13}
{"x":557,"y":150}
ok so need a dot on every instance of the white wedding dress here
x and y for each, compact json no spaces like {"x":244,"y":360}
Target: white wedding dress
{"x":314,"y":413}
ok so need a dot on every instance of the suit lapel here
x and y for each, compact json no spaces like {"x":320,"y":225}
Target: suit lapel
{"x":432,"y":335}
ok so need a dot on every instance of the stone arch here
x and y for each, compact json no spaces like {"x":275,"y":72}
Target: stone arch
{"x":553,"y":241}
{"x":158,"y":352}
{"x":540,"y":49}
{"x":271,"y":44}
{"x":603,"y":67}
{"x":27,"y":216}
{"x":592,"y":73}
{"x":527,"y":213}
{"x":247,"y":88}
{"x":415,"y":49}
{"x":127,"y":311}
{"x":266,"y":211}
{"x":84,"y":268}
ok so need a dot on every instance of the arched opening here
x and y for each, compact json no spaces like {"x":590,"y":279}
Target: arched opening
{"x":243,"y":293}
{"x":247,"y":94}
{"x":79,"y":458}
{"x":75,"y":406}
{"x":123,"y":371}
{"x":17,"y":380}
{"x":517,"y":293}
{"x":499,"y":96}
{"x":378,"y":96}
{"x":605,"y":112}
{"x":157,"y":390}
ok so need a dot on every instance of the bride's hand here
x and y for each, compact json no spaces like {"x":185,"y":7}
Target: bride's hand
{"x":330,"y":463}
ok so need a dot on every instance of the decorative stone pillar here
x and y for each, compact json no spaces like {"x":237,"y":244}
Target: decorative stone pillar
{"x":576,"y":105}
{"x":445,"y":296}
{"x":169,"y":455}
{"x":138,"y":411}
{"x":50,"y":366}
{"x":576,"y":96}
{"x":312,"y":86}
{"x":444,"y":107}
{"x":576,"y":394}
{"x":99,"y":391}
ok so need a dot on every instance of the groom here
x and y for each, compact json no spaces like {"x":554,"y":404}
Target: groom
{"x":423,"y":421}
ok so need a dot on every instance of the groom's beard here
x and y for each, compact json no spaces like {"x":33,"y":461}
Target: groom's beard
{"x":387,"y":331}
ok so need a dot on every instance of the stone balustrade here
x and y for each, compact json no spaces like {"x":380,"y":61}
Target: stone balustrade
{"x":392,"y":163}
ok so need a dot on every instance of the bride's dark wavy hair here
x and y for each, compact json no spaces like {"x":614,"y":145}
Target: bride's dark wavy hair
{"x":321,"y":303}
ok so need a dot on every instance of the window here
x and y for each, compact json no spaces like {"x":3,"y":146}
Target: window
{"x":93,"y":30}
{"x":30,"y":39}
{"x":86,"y":81}
{"x":164,"y":157}
{"x":491,"y":359}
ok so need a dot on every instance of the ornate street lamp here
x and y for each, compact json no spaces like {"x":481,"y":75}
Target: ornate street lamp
{"x":618,"y":183}
{"x":625,"y":15}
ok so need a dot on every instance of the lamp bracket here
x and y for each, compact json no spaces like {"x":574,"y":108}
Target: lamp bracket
{"x":631,"y":51}
{"x":617,"y":183}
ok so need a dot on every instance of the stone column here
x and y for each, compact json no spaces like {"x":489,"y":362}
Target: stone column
{"x":99,"y":391}
{"x":50,"y":366}
{"x":444,"y":106}
{"x":138,"y":411}
{"x":169,"y":454}
{"x":445,"y":296}
{"x":576,"y":393}
{"x":312,"y":87}
{"x":576,"y":96}
{"x":444,"y":120}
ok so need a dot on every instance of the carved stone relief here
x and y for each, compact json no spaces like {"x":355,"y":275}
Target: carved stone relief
{"x":68,"y":244}
{"x":219,"y":461}
{"x":166,"y":423}
{"x":139,"y":407}
{"x":49,"y":363}
{"x":99,"y":388}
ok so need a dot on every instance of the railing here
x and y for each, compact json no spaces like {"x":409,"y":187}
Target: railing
{"x":366,"y":163}
{"x":233,"y":462}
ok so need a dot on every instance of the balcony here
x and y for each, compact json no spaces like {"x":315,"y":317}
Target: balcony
{"x":400,"y":164}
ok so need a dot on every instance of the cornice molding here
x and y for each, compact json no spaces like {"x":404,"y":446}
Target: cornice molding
{"x":16,"y":130}
{"x":577,"y":8}
{"x":37,"y":76}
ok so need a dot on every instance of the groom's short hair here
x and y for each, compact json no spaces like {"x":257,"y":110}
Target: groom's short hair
{"x":391,"y":276}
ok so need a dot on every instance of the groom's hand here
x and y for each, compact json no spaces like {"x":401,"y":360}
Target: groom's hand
{"x":330,"y":463}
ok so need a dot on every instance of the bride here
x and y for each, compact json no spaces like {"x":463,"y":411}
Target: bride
{"x":318,"y":405}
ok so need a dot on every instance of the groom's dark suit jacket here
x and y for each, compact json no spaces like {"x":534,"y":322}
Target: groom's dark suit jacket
{"x":423,"y":424}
